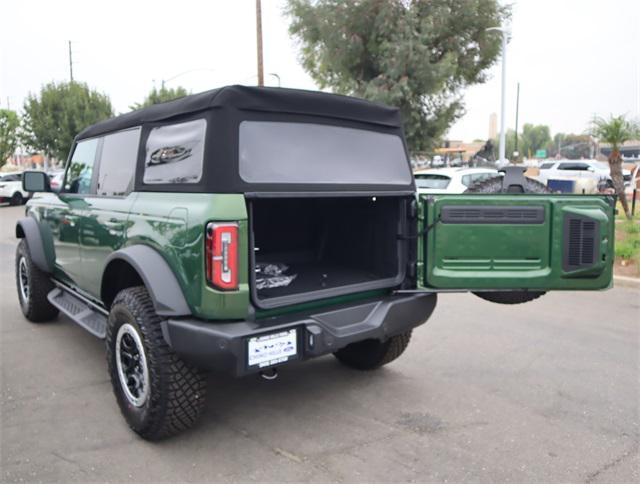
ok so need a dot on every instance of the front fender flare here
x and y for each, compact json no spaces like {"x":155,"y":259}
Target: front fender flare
{"x":40,"y":242}
{"x":166,"y":294}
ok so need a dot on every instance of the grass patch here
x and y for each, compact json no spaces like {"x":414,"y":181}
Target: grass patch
{"x":628,"y":247}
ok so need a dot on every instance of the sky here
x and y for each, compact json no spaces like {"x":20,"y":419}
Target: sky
{"x":572,"y":58}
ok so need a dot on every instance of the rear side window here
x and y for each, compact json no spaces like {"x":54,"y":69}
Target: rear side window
{"x":432,"y":181}
{"x":174,"y":153}
{"x":80,"y":169}
{"x":280,"y":152}
{"x":546,"y":166}
{"x":573,"y":166}
{"x":118,"y":163}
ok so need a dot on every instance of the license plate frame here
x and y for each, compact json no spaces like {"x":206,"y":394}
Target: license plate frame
{"x":270,"y":349}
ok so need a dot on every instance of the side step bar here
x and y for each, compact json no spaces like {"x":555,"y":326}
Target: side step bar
{"x":80,"y":311}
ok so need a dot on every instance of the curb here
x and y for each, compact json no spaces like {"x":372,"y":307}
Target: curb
{"x":624,"y":281}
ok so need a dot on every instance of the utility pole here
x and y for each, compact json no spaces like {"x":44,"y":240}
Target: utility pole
{"x":517,"y":109}
{"x":259,"y":36}
{"x":70,"y":62}
{"x":504,"y":32}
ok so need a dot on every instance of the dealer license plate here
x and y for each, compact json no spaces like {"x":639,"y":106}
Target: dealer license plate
{"x":272,"y":349}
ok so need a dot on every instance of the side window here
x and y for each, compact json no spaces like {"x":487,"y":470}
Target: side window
{"x":174,"y":153}
{"x":546,"y":166}
{"x":574,"y":166}
{"x":466,"y":180}
{"x":80,"y":169}
{"x":118,"y":162}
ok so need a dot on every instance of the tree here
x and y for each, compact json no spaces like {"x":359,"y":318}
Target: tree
{"x":53,"y":118}
{"x":161,"y":95}
{"x":9,"y":125}
{"x":570,"y":146}
{"x":616,"y":131}
{"x":534,"y":138}
{"x":417,"y":55}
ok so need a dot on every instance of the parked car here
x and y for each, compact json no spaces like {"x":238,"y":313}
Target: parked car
{"x":451,"y":180}
{"x":226,"y":231}
{"x":597,"y":170}
{"x":11,"y":189}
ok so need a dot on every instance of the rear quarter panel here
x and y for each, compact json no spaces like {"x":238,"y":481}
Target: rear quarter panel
{"x":174,"y":225}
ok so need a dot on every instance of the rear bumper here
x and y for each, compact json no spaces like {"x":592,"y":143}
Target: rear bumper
{"x":223,"y":346}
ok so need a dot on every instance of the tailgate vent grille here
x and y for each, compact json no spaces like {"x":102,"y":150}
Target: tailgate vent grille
{"x":488,"y":214}
{"x":580,"y":247}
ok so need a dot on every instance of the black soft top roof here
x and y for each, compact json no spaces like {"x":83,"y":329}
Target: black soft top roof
{"x":226,"y":108}
{"x":260,"y":99}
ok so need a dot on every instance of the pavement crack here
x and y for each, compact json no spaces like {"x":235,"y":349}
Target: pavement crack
{"x":611,"y":464}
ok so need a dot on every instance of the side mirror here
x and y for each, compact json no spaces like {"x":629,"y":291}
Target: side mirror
{"x":35,"y":181}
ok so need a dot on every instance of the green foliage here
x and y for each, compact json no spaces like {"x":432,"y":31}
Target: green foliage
{"x":9,"y":125}
{"x":628,"y":240}
{"x":632,"y":228}
{"x":628,"y":249}
{"x":416,"y":55}
{"x":570,"y":146}
{"x":157,"y":96}
{"x":532,"y":138}
{"x":53,"y":118}
{"x":615,"y":131}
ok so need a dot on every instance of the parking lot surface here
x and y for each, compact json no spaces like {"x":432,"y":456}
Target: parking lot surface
{"x":544,"y":392}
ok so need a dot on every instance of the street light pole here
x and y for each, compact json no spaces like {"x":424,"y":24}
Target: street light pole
{"x":504,"y":32}
{"x":259,"y":37}
{"x":276,"y":76}
{"x":517,"y":112}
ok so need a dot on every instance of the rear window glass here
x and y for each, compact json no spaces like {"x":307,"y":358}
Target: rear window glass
{"x":280,"y":152}
{"x":174,"y":153}
{"x":432,"y":181}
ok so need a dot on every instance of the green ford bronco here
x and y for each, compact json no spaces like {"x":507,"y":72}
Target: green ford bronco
{"x":241,"y":229}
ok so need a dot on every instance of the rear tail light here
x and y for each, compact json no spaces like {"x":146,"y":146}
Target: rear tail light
{"x":221,"y":255}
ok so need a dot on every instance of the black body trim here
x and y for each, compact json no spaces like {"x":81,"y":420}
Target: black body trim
{"x":222,"y":346}
{"x":580,"y":242}
{"x":489,"y":214}
{"x":40,"y":242}
{"x":166,"y":293}
{"x":80,"y":310}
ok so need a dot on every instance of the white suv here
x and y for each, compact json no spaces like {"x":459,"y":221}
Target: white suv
{"x":451,"y":180}
{"x":11,"y":189}
{"x":563,"y":169}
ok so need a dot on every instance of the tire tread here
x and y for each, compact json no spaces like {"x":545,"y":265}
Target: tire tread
{"x":178,"y":389}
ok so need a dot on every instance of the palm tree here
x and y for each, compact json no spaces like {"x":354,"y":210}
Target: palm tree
{"x":616,"y":131}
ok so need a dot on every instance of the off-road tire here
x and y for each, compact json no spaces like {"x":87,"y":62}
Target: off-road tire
{"x":16,"y":199}
{"x":494,"y":185}
{"x":372,"y":354}
{"x":35,"y":307}
{"x":177,"y":390}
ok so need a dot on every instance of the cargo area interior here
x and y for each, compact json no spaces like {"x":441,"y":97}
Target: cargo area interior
{"x":305,"y":245}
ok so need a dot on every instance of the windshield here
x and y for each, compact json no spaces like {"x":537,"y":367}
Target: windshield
{"x":282,"y":152}
{"x":432,"y":181}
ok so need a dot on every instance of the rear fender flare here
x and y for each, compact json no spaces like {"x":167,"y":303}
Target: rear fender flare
{"x":40,"y":242}
{"x":166,"y":294}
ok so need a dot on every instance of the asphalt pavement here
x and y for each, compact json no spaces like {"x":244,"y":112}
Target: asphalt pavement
{"x":544,"y":392}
